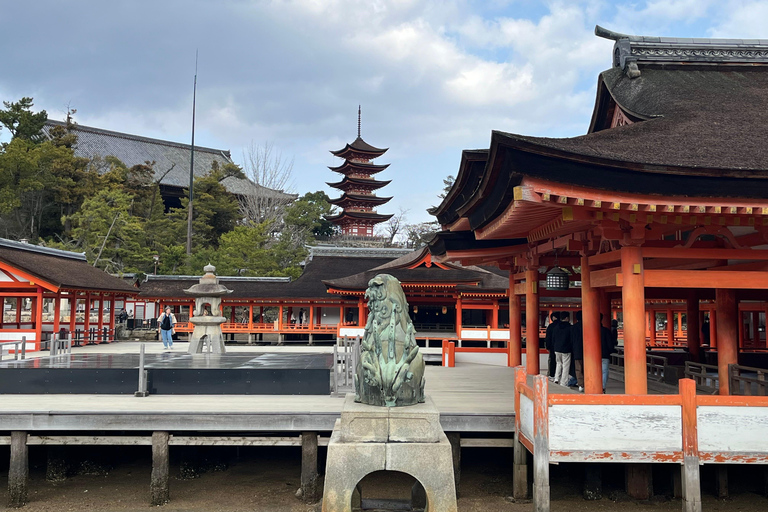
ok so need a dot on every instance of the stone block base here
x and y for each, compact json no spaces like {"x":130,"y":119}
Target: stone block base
{"x":349,"y":461}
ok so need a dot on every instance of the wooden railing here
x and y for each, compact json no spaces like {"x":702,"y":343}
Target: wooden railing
{"x":685,"y":429}
{"x":748,"y":381}
{"x":238,"y":327}
{"x":656,"y":365}
{"x":704,"y":375}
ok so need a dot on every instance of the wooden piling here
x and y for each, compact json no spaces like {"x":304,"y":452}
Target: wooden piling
{"x":455,"y":440}
{"x":540,"y":444}
{"x":691,"y":485}
{"x":18,"y":472}
{"x":158,"y":486}
{"x":309,"y":476}
{"x":520,"y":456}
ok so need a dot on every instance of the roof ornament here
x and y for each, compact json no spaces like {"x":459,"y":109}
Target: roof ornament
{"x":622,"y":50}
{"x":358,"y":121}
{"x":629,"y":50}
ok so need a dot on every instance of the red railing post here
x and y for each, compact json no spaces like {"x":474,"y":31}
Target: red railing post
{"x":520,"y":456}
{"x":690,"y":468}
{"x":540,"y":444}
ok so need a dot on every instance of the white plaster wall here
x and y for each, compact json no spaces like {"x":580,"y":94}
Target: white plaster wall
{"x":615,"y":428}
{"x":332,"y":315}
{"x":526,"y":416}
{"x":733,"y":429}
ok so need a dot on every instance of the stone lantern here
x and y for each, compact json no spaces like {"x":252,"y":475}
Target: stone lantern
{"x":207,"y":327}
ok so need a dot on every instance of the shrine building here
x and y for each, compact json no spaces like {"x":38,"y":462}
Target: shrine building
{"x":664,"y":198}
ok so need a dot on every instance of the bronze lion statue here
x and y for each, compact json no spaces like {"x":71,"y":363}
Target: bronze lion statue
{"x":390,"y":371}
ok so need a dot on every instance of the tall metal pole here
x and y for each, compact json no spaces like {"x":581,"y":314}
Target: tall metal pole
{"x":191,"y":166}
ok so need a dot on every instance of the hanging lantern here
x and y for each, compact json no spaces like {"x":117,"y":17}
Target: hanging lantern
{"x":557,"y":279}
{"x":445,"y":309}
{"x":415,"y":309}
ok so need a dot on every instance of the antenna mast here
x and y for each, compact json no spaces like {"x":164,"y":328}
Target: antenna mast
{"x":191,"y":166}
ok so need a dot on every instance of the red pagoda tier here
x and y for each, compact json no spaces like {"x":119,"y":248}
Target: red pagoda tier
{"x":358,"y":216}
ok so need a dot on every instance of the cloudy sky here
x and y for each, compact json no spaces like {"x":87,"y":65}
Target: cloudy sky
{"x":433,"y":76}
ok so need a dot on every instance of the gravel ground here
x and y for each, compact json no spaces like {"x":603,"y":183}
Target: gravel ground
{"x":266,"y":479}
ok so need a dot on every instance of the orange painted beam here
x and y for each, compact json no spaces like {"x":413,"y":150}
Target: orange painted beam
{"x":605,"y":258}
{"x":34,"y":280}
{"x":706,"y":278}
{"x":606,"y":277}
{"x":705,"y":254}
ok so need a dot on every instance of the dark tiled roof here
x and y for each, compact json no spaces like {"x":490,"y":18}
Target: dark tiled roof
{"x":367,"y":198}
{"x":366,"y":182}
{"x":467,"y":179}
{"x":59,"y":268}
{"x":308,"y":286}
{"x":134,"y":150}
{"x":361,"y":146}
{"x":365,"y":167}
{"x":469,"y":278}
{"x":704,"y":118}
{"x":378,"y":217}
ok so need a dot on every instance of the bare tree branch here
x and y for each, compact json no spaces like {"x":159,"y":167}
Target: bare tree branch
{"x":272,"y":175}
{"x":394,"y":225}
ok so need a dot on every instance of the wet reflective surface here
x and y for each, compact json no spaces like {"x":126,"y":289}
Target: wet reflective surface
{"x":180,"y":360}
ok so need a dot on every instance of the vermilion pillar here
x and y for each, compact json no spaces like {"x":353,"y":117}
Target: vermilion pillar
{"x":727,"y":334}
{"x":515,"y":347}
{"x":633,"y":307}
{"x":56,"y":315}
{"x":693,"y":329}
{"x":532,"y":321}
{"x":670,"y":328}
{"x":590,"y":316}
{"x":458,"y":317}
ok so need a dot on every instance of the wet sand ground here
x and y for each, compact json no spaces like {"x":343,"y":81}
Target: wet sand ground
{"x":266,"y":479}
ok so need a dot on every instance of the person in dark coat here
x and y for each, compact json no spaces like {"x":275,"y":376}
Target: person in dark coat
{"x":554,"y":319}
{"x":577,"y":338}
{"x":561,"y":337}
{"x":609,"y":340}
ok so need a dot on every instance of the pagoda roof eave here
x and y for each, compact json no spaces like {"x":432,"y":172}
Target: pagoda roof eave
{"x":360,"y":216}
{"x":360,"y":146}
{"x":345,"y":198}
{"x":373,"y":184}
{"x":367,"y":167}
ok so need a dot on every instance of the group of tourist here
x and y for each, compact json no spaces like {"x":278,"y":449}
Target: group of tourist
{"x":565,"y":343}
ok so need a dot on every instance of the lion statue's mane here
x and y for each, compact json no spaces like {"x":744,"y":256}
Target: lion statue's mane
{"x":390,"y":371}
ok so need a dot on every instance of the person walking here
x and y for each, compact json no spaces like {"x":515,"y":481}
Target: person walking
{"x":554,"y":318}
{"x":561,"y":336}
{"x":577,"y":338}
{"x":165,"y":327}
{"x":609,"y":340}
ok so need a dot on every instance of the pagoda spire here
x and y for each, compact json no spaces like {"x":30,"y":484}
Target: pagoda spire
{"x":358,"y":201}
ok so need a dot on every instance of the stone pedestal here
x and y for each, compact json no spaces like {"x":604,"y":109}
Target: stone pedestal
{"x":407,"y":439}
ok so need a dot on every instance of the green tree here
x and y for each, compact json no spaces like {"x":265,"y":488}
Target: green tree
{"x":215,"y":211}
{"x":19,"y":119}
{"x":111,"y":237}
{"x":307,"y":215}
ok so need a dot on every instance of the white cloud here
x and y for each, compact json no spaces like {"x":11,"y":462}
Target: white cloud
{"x":742,"y":20}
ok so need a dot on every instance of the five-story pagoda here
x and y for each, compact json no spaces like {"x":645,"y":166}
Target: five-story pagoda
{"x":358,"y":200}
